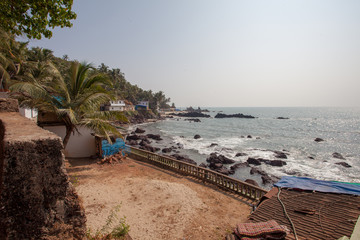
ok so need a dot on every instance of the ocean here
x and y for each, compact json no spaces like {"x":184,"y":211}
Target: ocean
{"x":338,"y":127}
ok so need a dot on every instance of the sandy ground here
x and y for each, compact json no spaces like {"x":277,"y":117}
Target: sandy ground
{"x":157,"y":203}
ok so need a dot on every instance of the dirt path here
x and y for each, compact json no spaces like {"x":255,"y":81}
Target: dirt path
{"x":157,"y":203}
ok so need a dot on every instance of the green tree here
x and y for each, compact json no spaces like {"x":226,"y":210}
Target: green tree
{"x":34,"y":18}
{"x":75,"y":99}
{"x":12,"y":56}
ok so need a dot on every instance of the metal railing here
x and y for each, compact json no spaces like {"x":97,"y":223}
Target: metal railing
{"x":206,"y":175}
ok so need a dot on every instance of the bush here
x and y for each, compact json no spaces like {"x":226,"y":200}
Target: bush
{"x":109,"y":231}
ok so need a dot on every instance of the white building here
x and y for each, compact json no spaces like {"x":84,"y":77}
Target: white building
{"x":28,"y":113}
{"x":117,"y":105}
{"x":81,"y":144}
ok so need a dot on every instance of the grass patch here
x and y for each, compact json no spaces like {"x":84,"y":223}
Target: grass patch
{"x":114,"y":228}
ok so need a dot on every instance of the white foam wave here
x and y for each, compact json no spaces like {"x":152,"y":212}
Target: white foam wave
{"x":223,"y":146}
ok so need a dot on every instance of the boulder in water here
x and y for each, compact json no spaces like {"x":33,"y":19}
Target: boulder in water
{"x":344,"y":164}
{"x":139,"y":130}
{"x":338,"y":155}
{"x":252,"y":182}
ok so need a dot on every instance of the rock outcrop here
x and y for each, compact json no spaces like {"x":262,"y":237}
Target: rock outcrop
{"x":37,"y":201}
{"x":319,"y":140}
{"x":154,"y":136}
{"x":192,"y":115}
{"x":139,"y":130}
{"x":183,"y":158}
{"x":238,"y":115}
{"x":197,"y":136}
{"x":344,"y":164}
{"x":338,"y":156}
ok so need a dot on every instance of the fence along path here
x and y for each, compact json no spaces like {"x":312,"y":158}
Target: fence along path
{"x":206,"y":175}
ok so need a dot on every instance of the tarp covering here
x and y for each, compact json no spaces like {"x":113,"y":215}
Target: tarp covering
{"x":318,"y":185}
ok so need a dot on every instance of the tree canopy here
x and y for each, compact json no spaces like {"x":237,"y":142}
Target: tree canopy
{"x":34,"y":18}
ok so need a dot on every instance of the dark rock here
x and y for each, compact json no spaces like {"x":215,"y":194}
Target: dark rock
{"x":266,"y":179}
{"x":338,"y":155}
{"x":252,"y":182}
{"x":238,"y":115}
{"x":149,"y":148}
{"x":166,"y":150}
{"x":344,"y":164}
{"x":279,"y":154}
{"x":215,"y":165}
{"x":282,"y":118}
{"x":319,"y":140}
{"x":225,"y":171}
{"x":197,"y":136}
{"x":139,"y":130}
{"x":310,"y":157}
{"x":144,"y":142}
{"x":133,"y":137}
{"x":154,"y":136}
{"x":240,"y":155}
{"x":219,"y":159}
{"x":213,"y":145}
{"x":192,"y":120}
{"x":239,"y":165}
{"x":253,"y":161}
{"x":192,"y":115}
{"x":257,"y":171}
{"x":249,"y":136}
{"x":277,"y":163}
{"x":204,"y":165}
{"x":132,"y":143}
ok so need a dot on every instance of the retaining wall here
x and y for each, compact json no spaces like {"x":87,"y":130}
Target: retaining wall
{"x":37,"y":201}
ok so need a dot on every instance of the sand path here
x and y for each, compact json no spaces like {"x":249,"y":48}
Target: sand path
{"x":157,"y":203}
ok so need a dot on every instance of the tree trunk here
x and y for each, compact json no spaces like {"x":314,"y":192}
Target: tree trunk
{"x":69,"y":130}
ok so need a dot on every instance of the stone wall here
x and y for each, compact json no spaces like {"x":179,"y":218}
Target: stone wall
{"x":37,"y":201}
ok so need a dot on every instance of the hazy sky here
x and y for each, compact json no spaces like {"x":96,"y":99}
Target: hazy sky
{"x":224,"y":52}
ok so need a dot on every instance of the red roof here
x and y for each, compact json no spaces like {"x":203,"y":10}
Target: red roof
{"x":315,"y":215}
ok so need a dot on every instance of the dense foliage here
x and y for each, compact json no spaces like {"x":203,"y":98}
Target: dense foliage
{"x":34,"y":18}
{"x":125,"y":90}
{"x":73,"y":91}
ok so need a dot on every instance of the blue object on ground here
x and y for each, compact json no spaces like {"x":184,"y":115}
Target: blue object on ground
{"x":318,"y":185}
{"x":111,"y":149}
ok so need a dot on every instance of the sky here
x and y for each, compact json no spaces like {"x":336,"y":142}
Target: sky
{"x":223,"y":53}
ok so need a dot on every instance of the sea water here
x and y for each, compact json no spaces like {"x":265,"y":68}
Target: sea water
{"x":339,"y":127}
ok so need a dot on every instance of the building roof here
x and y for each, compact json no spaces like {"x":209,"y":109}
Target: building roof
{"x":316,"y":215}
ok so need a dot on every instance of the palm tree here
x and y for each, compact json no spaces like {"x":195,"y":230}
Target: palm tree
{"x":12,"y":56}
{"x":75,"y":99}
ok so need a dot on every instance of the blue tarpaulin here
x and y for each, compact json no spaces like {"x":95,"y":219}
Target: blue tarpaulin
{"x":318,"y":185}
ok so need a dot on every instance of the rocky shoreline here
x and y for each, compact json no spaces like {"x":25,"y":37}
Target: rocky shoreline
{"x":220,"y":163}
{"x":216,"y":162}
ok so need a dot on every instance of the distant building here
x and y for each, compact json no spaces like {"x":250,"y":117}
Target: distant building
{"x":143,"y":105}
{"x":129,"y":106}
{"x":116,"y":105}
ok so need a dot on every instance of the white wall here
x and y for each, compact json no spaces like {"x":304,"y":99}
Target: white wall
{"x":79,"y":145}
{"x":27,"y":112}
